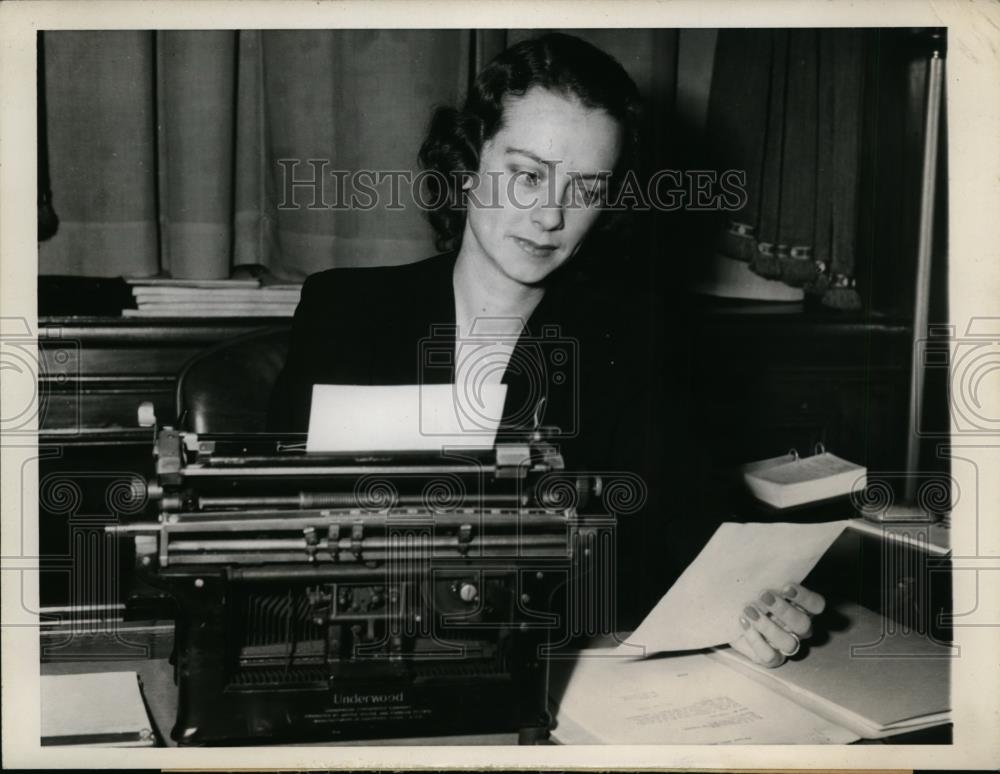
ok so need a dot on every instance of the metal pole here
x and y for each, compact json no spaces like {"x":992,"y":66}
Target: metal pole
{"x":923,"y":283}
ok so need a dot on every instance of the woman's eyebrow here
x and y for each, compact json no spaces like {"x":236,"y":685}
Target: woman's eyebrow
{"x":539,"y":160}
{"x":530,"y":155}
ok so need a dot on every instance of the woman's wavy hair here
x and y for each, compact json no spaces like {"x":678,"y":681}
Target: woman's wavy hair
{"x":560,"y":63}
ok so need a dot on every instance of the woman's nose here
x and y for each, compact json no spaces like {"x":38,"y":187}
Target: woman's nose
{"x":548,"y":215}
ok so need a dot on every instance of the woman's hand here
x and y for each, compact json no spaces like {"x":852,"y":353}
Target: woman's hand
{"x":775,"y":622}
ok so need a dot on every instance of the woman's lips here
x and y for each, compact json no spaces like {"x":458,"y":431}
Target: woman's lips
{"x":533,"y":248}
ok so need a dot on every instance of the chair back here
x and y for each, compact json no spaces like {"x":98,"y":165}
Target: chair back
{"x":226,"y":388}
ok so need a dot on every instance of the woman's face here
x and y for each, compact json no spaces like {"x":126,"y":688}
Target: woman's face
{"x":540,"y":185}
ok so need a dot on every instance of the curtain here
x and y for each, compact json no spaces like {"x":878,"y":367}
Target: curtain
{"x":786,"y":108}
{"x":164,"y":147}
{"x":189,"y":153}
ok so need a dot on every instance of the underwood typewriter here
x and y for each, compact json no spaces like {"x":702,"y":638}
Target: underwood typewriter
{"x":340,"y":597}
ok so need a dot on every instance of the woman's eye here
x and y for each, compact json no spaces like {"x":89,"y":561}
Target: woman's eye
{"x":528,"y":177}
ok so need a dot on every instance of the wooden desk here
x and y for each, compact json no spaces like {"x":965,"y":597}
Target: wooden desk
{"x":145,"y":648}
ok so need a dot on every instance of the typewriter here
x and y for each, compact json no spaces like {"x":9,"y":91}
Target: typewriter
{"x":349,"y":597}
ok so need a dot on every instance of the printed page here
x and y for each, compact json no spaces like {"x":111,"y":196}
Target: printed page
{"x":702,"y":609}
{"x":683,"y":699}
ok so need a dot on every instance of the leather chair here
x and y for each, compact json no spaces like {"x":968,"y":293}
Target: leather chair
{"x":226,"y":388}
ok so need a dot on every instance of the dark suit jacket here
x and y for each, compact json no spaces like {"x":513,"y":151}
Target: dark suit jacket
{"x":584,"y":349}
{"x":396,"y":325}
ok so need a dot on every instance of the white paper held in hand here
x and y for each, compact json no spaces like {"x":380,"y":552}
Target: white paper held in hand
{"x":702,"y":609}
{"x":407,"y":417}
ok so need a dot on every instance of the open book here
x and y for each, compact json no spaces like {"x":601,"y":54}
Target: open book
{"x":841,"y":689}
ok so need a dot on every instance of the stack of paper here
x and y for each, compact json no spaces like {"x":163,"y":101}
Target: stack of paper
{"x":790,"y":480}
{"x":856,"y":677}
{"x":863,"y":676}
{"x":688,"y":699}
{"x":211,"y":298}
{"x":100,"y":709}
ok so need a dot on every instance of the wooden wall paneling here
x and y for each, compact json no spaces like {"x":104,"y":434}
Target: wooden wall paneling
{"x":93,"y":374}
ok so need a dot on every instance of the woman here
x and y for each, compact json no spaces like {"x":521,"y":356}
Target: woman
{"x":545,"y":138}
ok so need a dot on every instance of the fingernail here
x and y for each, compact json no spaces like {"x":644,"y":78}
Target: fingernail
{"x":751,"y":613}
{"x":767,"y":598}
{"x":790,"y":591}
{"x":744,"y":623}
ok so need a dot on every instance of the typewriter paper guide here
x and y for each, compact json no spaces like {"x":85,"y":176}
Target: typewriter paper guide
{"x":702,"y":609}
{"x":407,"y":417}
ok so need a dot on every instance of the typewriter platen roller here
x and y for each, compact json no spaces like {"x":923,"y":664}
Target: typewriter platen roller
{"x":331,"y":596}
